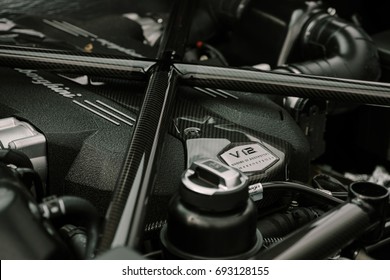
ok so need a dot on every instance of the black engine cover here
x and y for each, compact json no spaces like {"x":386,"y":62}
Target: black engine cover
{"x":86,"y":145}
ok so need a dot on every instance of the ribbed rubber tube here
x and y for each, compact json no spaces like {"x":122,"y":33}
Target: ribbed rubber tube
{"x":81,"y":212}
{"x":344,"y":50}
{"x":359,"y":218}
{"x":76,"y":211}
{"x":322,"y":237}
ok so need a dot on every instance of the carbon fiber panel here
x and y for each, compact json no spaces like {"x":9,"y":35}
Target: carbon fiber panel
{"x":285,"y":84}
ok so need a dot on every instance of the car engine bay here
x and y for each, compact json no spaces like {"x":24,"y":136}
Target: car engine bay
{"x":224,"y":129}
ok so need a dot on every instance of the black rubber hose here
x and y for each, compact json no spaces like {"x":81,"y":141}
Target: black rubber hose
{"x":30,"y":175}
{"x":323,"y":237}
{"x":83,"y":213}
{"x":280,"y":224}
{"x":22,"y":234}
{"x":25,"y":169}
{"x":361,"y":217}
{"x":77,"y":211}
{"x":292,"y":186}
{"x":342,"y":50}
{"x":16,"y":158}
{"x":381,"y":248}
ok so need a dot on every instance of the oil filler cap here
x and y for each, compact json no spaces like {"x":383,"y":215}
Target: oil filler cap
{"x":212,"y":186}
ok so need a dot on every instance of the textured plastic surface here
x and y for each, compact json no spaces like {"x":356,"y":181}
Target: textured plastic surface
{"x":84,"y":150}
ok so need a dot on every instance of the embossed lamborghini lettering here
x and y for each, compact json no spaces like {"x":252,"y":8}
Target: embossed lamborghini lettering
{"x":39,"y":80}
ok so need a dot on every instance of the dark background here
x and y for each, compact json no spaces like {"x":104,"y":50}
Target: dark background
{"x":373,"y":13}
{"x":80,"y":8}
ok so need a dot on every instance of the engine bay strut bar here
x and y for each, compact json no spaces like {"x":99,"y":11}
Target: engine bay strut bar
{"x":265,"y":82}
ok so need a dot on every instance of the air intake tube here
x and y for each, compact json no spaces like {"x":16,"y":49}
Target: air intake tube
{"x":361,"y":218}
{"x":336,"y":48}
